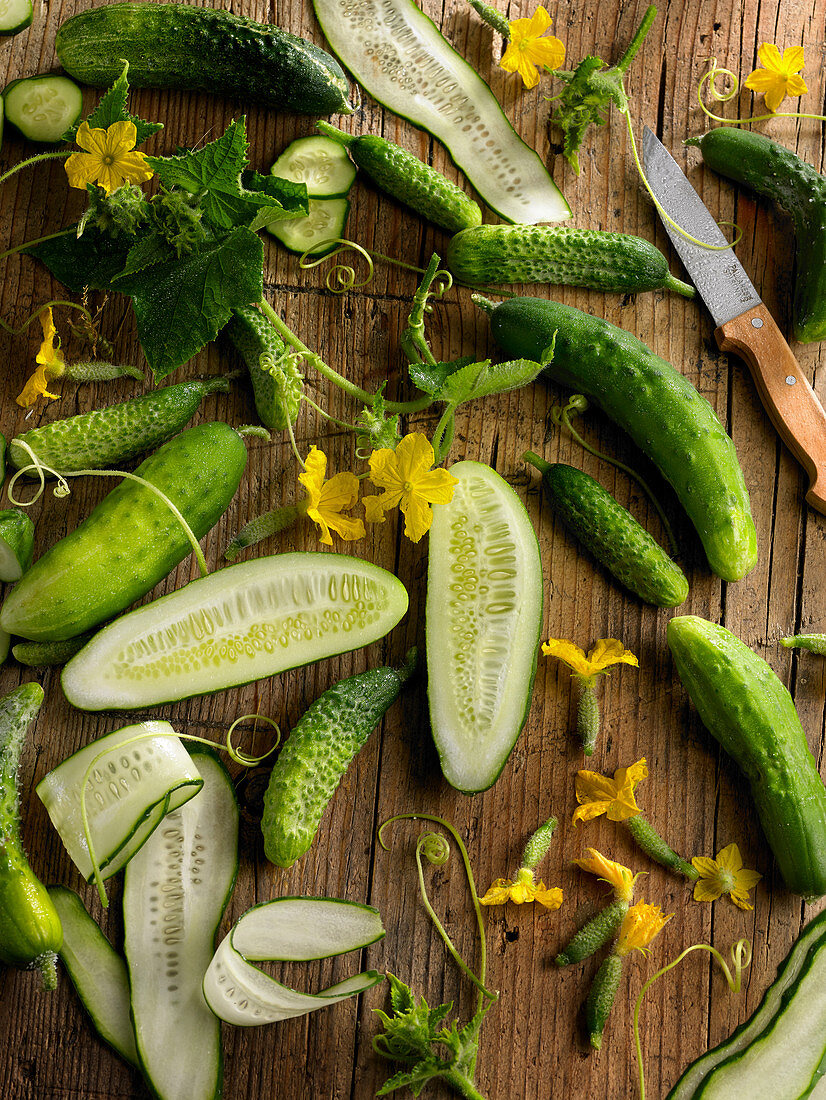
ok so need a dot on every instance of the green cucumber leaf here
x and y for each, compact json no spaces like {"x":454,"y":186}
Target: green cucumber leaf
{"x":92,"y":260}
{"x":147,"y":251}
{"x":274,"y":198}
{"x":429,"y":378}
{"x":112,"y":108}
{"x":416,"y":1078}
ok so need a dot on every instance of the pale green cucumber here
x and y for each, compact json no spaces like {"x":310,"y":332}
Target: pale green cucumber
{"x":484,"y":616}
{"x":16,"y":544}
{"x":240,"y":624}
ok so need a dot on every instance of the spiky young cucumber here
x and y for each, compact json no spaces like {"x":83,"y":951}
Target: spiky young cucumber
{"x":491,"y":254}
{"x":276,"y":399}
{"x":662,"y":412}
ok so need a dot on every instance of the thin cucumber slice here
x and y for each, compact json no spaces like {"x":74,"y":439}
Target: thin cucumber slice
{"x":16,"y":544}
{"x":174,"y":896}
{"x":240,"y":624}
{"x":129,"y":791}
{"x":97,"y":972}
{"x":312,"y":234}
{"x":399,"y":56}
{"x":287,"y":929}
{"x":320,"y":163}
{"x":15,"y":16}
{"x":43,"y":108}
{"x":484,"y":616}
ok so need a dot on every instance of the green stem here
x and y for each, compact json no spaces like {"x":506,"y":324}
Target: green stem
{"x":414,"y":333}
{"x":638,"y":39}
{"x":33,"y":160}
{"x":462,"y":1084}
{"x":443,"y":436}
{"x":815,"y":643}
{"x":37,"y":240}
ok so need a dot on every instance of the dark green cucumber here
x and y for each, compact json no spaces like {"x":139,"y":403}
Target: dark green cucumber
{"x":749,"y":711}
{"x":317,"y":754}
{"x":662,"y":412}
{"x":48,"y":654}
{"x":113,"y":435}
{"x":188,"y":48}
{"x":491,"y":254}
{"x":276,"y":400}
{"x":131,"y":540}
{"x":780,"y":175}
{"x":612,"y":534}
{"x":409,"y":180}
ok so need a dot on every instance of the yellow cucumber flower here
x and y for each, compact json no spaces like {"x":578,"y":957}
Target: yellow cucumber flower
{"x":615,"y":874}
{"x":601,"y":656}
{"x":724,"y":875}
{"x":522,"y":890}
{"x":527,"y":48}
{"x":597,"y":794}
{"x":779,"y":76}
{"x":641,"y":924}
{"x":409,"y":483}
{"x":326,"y":500}
{"x":109,"y":159}
{"x":50,"y":364}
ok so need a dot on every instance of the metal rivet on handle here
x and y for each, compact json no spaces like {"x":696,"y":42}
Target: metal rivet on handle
{"x":757,"y":322}
{"x":790,"y":379}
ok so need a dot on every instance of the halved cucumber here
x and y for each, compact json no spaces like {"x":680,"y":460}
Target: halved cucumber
{"x":484,"y":616}
{"x":294,"y":930}
{"x":320,"y":163}
{"x":237,"y":625}
{"x":16,"y":544}
{"x":15,"y":16}
{"x":313,"y":233}
{"x":43,"y":108}
{"x":398,"y":55}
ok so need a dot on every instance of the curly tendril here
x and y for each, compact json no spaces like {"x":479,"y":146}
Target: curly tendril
{"x":434,"y":848}
{"x":33,"y":316}
{"x":709,"y":80}
{"x":243,"y":758}
{"x":341,"y":277}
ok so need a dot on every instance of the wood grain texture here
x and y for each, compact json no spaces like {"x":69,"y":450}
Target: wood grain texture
{"x":532,"y":1046}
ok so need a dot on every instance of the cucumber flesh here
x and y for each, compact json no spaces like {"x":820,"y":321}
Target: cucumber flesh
{"x":399,"y":56}
{"x":484,"y":616}
{"x":43,"y":108}
{"x":174,"y":896}
{"x":320,"y":163}
{"x":316,"y":232}
{"x":16,"y":544}
{"x":15,"y":16}
{"x":240,"y":624}
{"x":97,"y":972}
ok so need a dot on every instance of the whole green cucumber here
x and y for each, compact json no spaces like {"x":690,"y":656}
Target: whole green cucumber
{"x":113,"y":435}
{"x":491,"y":254}
{"x":131,"y":540}
{"x":200,"y":49}
{"x":317,"y":754}
{"x":749,"y":711}
{"x":276,"y":400}
{"x":611,"y":533}
{"x":409,"y":180}
{"x":780,"y":175}
{"x":662,"y":412}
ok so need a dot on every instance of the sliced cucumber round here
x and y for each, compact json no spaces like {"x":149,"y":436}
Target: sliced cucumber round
{"x":15,"y":16}
{"x":16,"y":544}
{"x":484,"y":617}
{"x":320,"y":163}
{"x":240,"y":624}
{"x":315,"y":232}
{"x":43,"y":108}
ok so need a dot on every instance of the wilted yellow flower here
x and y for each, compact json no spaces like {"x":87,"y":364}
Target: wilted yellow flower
{"x":641,"y":924}
{"x":326,"y":500}
{"x":597,"y":794}
{"x":522,"y":890}
{"x":50,"y":364}
{"x":527,"y":49}
{"x":109,"y":159}
{"x":615,"y":874}
{"x":779,"y":76}
{"x":724,"y":875}
{"x":409,"y":483}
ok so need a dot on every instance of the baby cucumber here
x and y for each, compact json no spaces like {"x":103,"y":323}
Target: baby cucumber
{"x":16,"y":544}
{"x":749,"y":711}
{"x":317,"y":754}
{"x":277,"y":399}
{"x":46,"y":654}
{"x":131,"y":540}
{"x":780,"y":175}
{"x":491,"y":254}
{"x":612,"y":534}
{"x":662,"y":412}
{"x":321,"y":164}
{"x":409,"y":180}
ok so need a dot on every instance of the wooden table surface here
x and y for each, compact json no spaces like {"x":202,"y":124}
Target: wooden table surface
{"x":532,"y":1046}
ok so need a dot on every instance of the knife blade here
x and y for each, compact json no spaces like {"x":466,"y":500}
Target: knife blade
{"x":744,"y":325}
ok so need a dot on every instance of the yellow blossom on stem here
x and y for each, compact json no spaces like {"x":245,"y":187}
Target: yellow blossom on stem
{"x":326,"y":500}
{"x":50,"y":364}
{"x":597,"y":794}
{"x":522,"y":890}
{"x":641,"y":924}
{"x":409,"y":483}
{"x":109,"y":159}
{"x":621,"y":878}
{"x":779,"y":76}
{"x":724,"y":875}
{"x":601,"y":656}
{"x":527,"y":49}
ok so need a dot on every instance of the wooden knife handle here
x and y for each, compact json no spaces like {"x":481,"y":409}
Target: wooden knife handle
{"x":787,"y":397}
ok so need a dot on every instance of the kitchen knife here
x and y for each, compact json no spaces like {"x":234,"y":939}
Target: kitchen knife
{"x":744,"y":325}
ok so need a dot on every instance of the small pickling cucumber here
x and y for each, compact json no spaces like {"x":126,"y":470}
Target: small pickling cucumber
{"x":16,"y":544}
{"x":277,"y":400}
{"x":43,"y":108}
{"x":317,"y":754}
{"x":780,"y":175}
{"x":315,"y":232}
{"x":662,"y":412}
{"x":749,"y":711}
{"x":320,"y":163}
{"x":131,"y":540}
{"x":409,"y":180}
{"x":110,"y":436}
{"x":46,"y":654}
{"x":240,"y":624}
{"x":15,"y":16}
{"x":491,"y":254}
{"x":611,"y":533}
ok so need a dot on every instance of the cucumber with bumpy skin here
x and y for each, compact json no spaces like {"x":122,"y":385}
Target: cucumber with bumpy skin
{"x":46,"y":654}
{"x":276,"y":401}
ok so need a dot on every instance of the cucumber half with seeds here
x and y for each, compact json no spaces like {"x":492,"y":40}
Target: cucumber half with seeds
{"x":484,"y":617}
{"x":240,"y":624}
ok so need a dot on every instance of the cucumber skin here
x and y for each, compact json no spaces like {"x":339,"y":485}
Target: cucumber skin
{"x":200,"y":49}
{"x":662,"y":412}
{"x":131,"y":540}
{"x":17,"y":531}
{"x":112,"y":435}
{"x":780,"y":175}
{"x":253,"y":336}
{"x":748,"y":710}
{"x":317,"y":754}
{"x":614,"y":537}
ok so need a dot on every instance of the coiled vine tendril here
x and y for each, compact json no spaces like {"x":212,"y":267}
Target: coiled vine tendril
{"x":709,"y":81}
